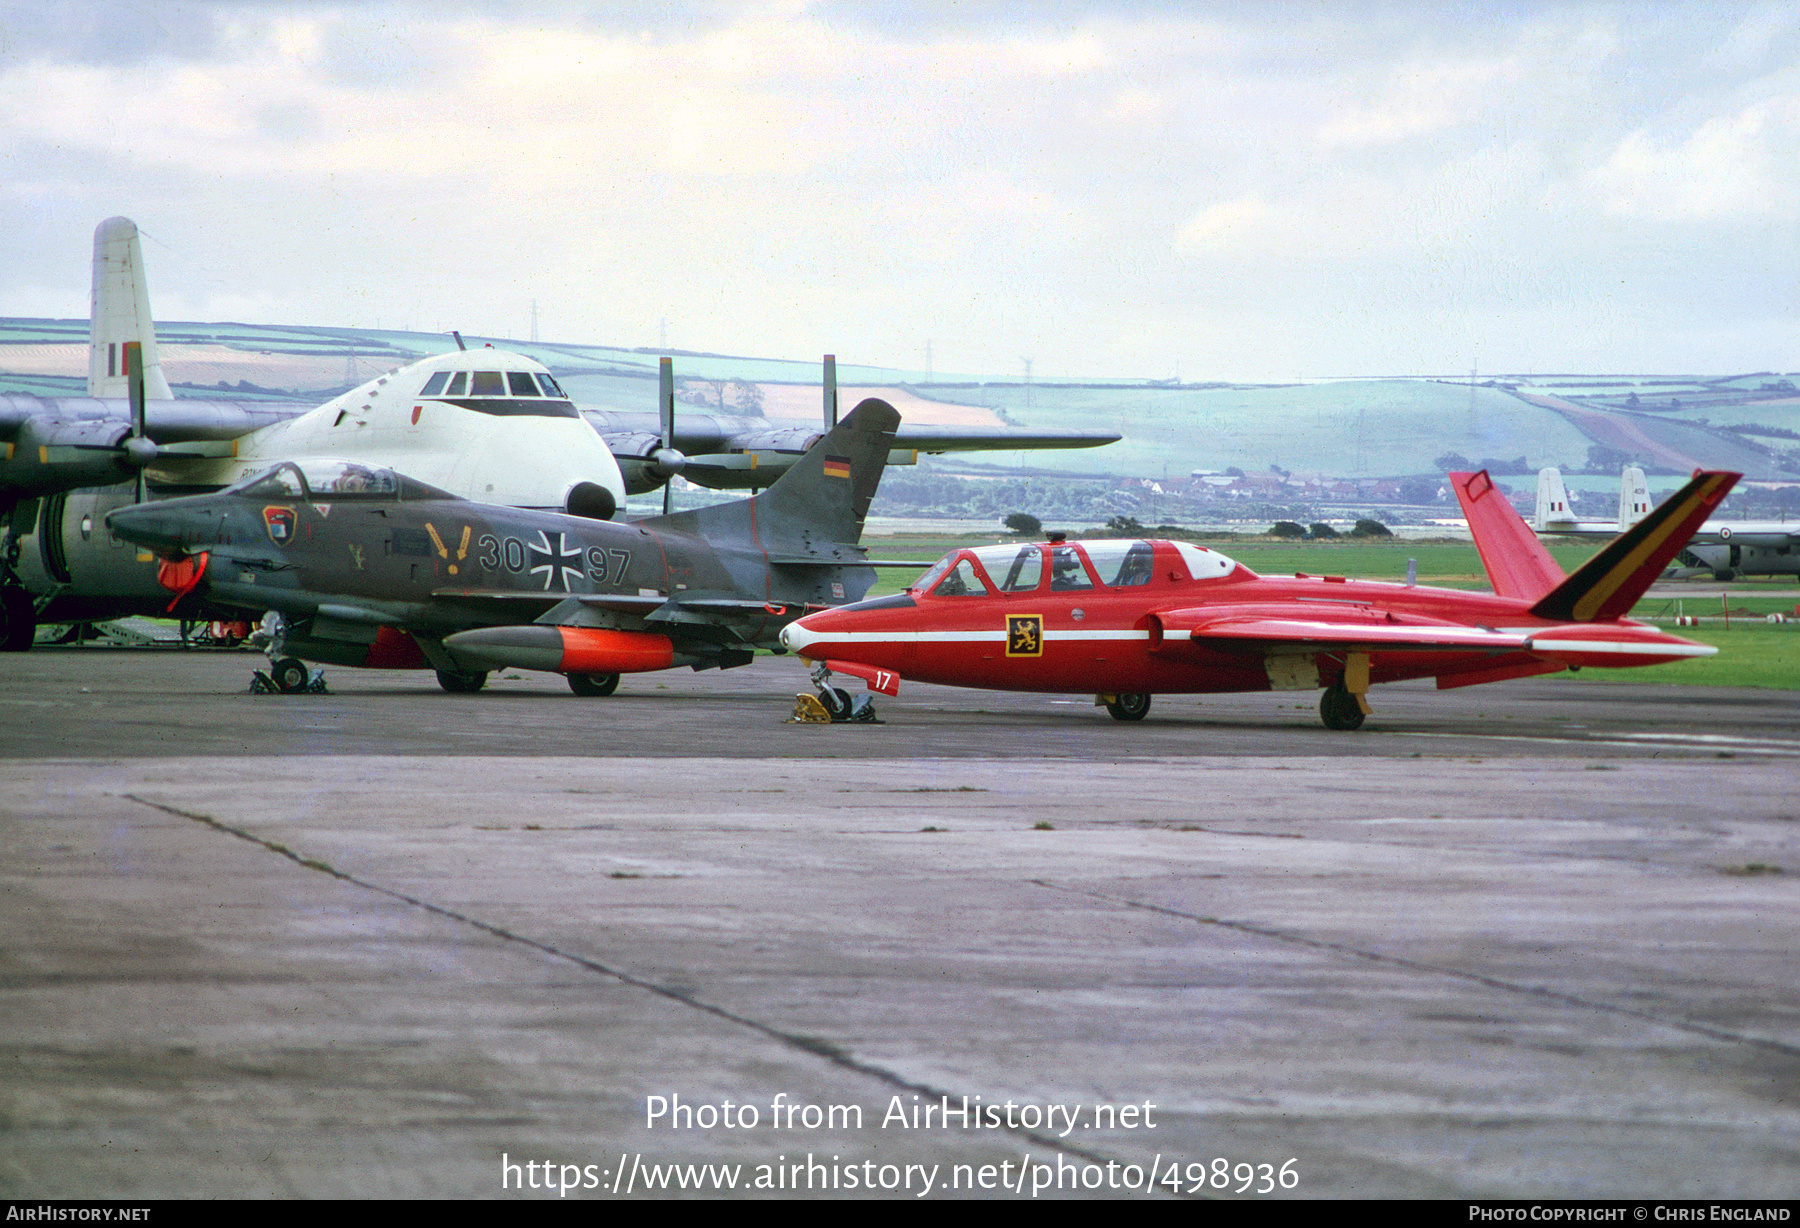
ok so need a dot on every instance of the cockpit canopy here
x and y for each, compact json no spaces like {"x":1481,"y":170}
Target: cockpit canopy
{"x":327,"y":481}
{"x":1066,"y":567}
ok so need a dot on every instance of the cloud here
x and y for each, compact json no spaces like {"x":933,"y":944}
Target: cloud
{"x":1113,"y":183}
{"x":1731,"y":168}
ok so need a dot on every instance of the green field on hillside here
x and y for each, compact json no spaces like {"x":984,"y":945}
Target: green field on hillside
{"x":1358,"y":428}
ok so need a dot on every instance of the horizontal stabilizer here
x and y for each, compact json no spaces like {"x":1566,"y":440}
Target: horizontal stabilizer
{"x":1517,"y":563}
{"x":1610,"y":583}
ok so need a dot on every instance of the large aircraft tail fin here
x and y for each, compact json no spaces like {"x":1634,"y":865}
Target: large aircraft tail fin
{"x":819,"y":503}
{"x":1634,"y":497}
{"x":121,"y":314}
{"x":1552,"y":501}
{"x":1610,"y":583}
{"x":1517,"y":563}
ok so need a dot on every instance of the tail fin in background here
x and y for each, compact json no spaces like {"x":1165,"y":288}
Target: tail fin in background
{"x":121,"y":313}
{"x":816,"y":505}
{"x":1517,"y":563}
{"x":1552,"y":502}
{"x":1610,"y":583}
{"x":1634,"y":497}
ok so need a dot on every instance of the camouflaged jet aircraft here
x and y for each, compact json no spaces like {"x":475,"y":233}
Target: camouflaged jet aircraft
{"x":365,"y":567}
{"x":481,"y":423}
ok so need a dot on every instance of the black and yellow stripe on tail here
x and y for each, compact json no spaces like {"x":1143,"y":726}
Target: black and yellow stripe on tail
{"x":1610,"y":583}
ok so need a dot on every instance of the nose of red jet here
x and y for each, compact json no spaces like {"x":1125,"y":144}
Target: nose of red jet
{"x":838,"y":627}
{"x":798,"y":636}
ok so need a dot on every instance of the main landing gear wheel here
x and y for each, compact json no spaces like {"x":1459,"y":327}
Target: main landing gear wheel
{"x":837,"y":702}
{"x":18,"y":619}
{"x":593,"y":685}
{"x":1339,"y":709}
{"x":1128,"y":707}
{"x":290,"y":675}
{"x":461,"y":684}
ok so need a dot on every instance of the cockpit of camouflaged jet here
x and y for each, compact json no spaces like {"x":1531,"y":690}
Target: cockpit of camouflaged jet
{"x":319,"y":481}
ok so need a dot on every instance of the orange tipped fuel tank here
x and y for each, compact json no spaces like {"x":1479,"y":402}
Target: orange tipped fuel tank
{"x":566,"y":650}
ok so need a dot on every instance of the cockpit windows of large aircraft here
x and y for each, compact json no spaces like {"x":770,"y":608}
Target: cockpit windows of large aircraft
{"x":493,"y":384}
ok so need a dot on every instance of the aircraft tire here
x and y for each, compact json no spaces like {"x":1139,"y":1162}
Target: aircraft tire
{"x":1725,"y":577}
{"x":593,"y":685}
{"x":461,"y":684}
{"x":837,"y":702}
{"x":1339,"y":710}
{"x":1128,"y":707}
{"x":290,"y":675}
{"x":18,"y":619}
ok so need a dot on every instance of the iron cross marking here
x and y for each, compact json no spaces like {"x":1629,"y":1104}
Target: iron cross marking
{"x":559,"y":567}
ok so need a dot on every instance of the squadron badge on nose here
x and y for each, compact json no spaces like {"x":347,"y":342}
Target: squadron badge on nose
{"x":279,"y":521}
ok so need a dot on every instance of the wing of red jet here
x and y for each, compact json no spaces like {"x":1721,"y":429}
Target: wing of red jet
{"x":1305,"y":627}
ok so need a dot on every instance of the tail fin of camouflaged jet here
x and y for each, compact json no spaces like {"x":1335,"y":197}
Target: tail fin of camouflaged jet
{"x":1610,"y":583}
{"x":819,"y":503}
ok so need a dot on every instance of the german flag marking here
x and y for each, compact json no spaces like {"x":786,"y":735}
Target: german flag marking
{"x":837,"y":466}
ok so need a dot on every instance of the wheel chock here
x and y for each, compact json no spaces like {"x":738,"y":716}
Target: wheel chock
{"x":809,"y":711}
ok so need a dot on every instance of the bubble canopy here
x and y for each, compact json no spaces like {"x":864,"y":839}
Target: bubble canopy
{"x":1064,"y":567}
{"x":329,"y":480}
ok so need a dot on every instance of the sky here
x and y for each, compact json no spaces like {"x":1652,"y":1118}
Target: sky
{"x":1205,"y":191}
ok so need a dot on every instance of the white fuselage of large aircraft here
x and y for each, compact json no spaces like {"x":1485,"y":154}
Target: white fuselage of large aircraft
{"x":484,"y":424}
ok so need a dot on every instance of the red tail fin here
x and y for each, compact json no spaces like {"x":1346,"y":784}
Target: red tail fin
{"x":1517,"y":563}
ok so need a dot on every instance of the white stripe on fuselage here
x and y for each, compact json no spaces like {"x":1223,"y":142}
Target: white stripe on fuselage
{"x":1123,"y":635}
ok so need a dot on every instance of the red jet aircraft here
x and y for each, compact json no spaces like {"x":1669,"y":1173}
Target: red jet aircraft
{"x":1130,"y":619}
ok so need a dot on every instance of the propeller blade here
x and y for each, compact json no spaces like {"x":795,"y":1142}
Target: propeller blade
{"x":665,"y":408}
{"x":831,"y":404}
{"x":134,"y":385}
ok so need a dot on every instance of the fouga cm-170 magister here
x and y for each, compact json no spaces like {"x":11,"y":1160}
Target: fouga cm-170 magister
{"x":1125,"y":620}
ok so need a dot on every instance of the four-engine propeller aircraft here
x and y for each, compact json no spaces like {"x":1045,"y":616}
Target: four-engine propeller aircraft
{"x":1128,"y":619}
{"x":367,"y":567}
{"x":738,"y":452}
{"x":1720,"y":549}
